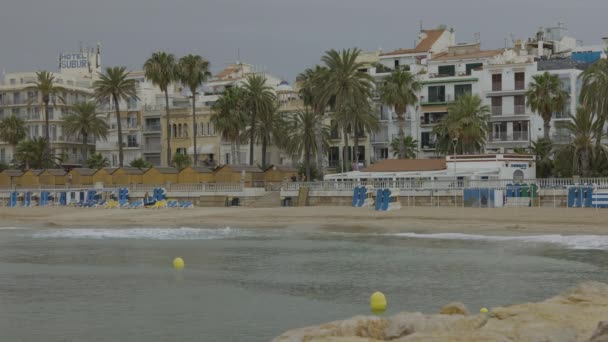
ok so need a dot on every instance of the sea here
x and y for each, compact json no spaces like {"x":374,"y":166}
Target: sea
{"x":108,"y":284}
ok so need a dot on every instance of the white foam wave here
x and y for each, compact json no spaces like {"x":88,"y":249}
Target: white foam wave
{"x":184,"y":233}
{"x":598,"y":242}
{"x":12,"y":228}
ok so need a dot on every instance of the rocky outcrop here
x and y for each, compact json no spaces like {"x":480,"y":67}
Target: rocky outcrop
{"x":572,"y":316}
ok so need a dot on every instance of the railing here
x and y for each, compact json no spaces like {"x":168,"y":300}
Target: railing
{"x":520,"y":85}
{"x":151,"y":148}
{"x":503,"y":136}
{"x":195,"y":187}
{"x":152,"y":128}
{"x":520,"y":109}
{"x":497,"y":86}
{"x":496,"y":110}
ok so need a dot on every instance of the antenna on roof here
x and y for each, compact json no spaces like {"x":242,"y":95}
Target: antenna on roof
{"x":421,"y":27}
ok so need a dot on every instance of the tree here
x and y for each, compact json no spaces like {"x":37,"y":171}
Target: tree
{"x":259,"y":100}
{"x":140,"y":163}
{"x":363,"y":122}
{"x":405,"y":149}
{"x":348,"y":86}
{"x":466,"y":123}
{"x":115,"y":85}
{"x":271,"y":130}
{"x":546,"y":96}
{"x":583,"y":129}
{"x":399,"y":90}
{"x":312,"y":82}
{"x":97,"y":161}
{"x":12,"y":130}
{"x":594,"y":91}
{"x":543,"y":150}
{"x":302,"y":139}
{"x":45,"y":85}
{"x":33,"y":153}
{"x":229,"y":119}
{"x":193,"y":70}
{"x":161,"y":69}
{"x":83,"y":121}
{"x":181,"y":161}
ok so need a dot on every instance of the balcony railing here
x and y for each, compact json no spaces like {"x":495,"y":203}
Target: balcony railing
{"x":504,"y":137}
{"x":497,"y":86}
{"x":152,"y":128}
{"x":520,"y":109}
{"x":152,"y":148}
{"x":496,"y":110}
{"x":520,"y":85}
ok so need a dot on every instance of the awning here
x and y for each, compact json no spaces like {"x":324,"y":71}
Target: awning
{"x":205,"y":149}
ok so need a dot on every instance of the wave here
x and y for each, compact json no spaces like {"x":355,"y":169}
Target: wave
{"x":184,"y":233}
{"x":12,"y":228}
{"x":599,"y":242}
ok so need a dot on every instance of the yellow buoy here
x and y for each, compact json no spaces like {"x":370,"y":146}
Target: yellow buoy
{"x":178,"y":263}
{"x":483,"y":310}
{"x":377,"y":302}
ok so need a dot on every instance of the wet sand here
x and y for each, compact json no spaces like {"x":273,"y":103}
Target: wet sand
{"x":501,"y":221}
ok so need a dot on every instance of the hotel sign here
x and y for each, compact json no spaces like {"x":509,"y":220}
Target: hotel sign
{"x":73,"y":61}
{"x":521,"y":166}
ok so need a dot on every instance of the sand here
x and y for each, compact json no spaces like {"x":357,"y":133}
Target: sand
{"x":499,"y":221}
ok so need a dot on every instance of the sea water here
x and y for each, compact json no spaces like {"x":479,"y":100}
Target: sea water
{"x":251,"y":285}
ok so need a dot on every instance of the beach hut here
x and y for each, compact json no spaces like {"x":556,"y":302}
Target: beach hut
{"x":279,"y":173}
{"x":53,"y":177}
{"x":30,"y":178}
{"x":10,"y":178}
{"x":160,"y":175}
{"x":250,"y":175}
{"x":104,"y":176}
{"x":196,"y":174}
{"x":81,"y":176}
{"x":128,"y":175}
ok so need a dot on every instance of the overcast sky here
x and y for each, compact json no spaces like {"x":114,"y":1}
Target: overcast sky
{"x":284,"y":36}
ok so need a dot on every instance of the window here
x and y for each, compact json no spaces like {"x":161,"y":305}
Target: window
{"x":174,"y":130}
{"x":446,"y":70}
{"x":520,"y":131}
{"x":185,"y":130}
{"x":2,"y":155}
{"x":461,"y":90}
{"x":181,"y":150}
{"x":396,"y":64}
{"x":194,"y":130}
{"x":1,"y":114}
{"x":498,"y":131}
{"x":383,"y":153}
{"x":132,"y":121}
{"x":334,"y":156}
{"x":436,"y":94}
{"x":520,"y":104}
{"x":53,"y":132}
{"x":335,"y":131}
{"x":179,"y":130}
{"x":16,"y":98}
{"x":433,"y":118}
{"x":227,"y":161}
{"x":473,"y":66}
{"x":212,"y":128}
{"x":202,"y":129}
{"x":496,"y":82}
{"x":51,"y":113}
{"x":132,"y":140}
{"x":497,"y":105}
{"x":520,"y":82}
{"x":428,"y":140}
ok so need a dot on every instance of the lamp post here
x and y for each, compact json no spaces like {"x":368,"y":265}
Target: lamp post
{"x":454,"y":143}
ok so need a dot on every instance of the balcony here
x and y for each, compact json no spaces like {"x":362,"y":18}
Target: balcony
{"x":516,"y":136}
{"x":428,"y":145}
{"x":520,"y":109}
{"x":437,"y":100}
{"x":380,"y":138}
{"x":561,"y":138}
{"x":151,"y":128}
{"x":496,"y":110}
{"x":520,"y":85}
{"x":152,"y":148}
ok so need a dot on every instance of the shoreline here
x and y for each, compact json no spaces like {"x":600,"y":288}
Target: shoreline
{"x":497,"y":221}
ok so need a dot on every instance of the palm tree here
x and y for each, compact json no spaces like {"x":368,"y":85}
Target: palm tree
{"x":140,"y":163}
{"x":543,"y":150}
{"x":594,"y":90}
{"x":97,"y":161}
{"x":84,"y":121}
{"x":302,"y":138}
{"x":409,"y":146}
{"x":259,"y":100}
{"x":45,"y":85}
{"x":348,"y":86}
{"x":115,"y":85}
{"x":271,"y":130}
{"x":181,"y":161}
{"x":229,"y":119}
{"x":12,"y":130}
{"x":545,"y":97}
{"x":161,"y":69}
{"x":466,"y":123}
{"x":363,"y":122}
{"x":583,"y":129}
{"x":33,"y":153}
{"x":399,"y":90}
{"x":193,"y":70}
{"x":311,"y":91}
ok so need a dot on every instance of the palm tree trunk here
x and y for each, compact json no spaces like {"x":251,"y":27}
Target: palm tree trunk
{"x":84,"y":147}
{"x":345,"y":158}
{"x":320,"y":148}
{"x":356,"y":148}
{"x":119,"y":127}
{"x":251,"y":136}
{"x":307,"y":162}
{"x":264,"y":146}
{"x":194,"y":126}
{"x":547,"y":128}
{"x":233,"y":152}
{"x":168,"y":123}
{"x":401,"y":137}
{"x":238,"y":150}
{"x":47,"y":134}
{"x":585,"y":163}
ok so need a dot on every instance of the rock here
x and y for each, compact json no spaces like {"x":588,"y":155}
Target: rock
{"x":601,"y":332}
{"x":569,"y":317}
{"x":455,"y":308}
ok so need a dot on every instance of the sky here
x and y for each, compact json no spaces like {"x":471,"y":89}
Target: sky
{"x":282,"y":37}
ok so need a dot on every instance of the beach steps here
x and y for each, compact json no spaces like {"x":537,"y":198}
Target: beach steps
{"x":303,"y":197}
{"x":270,"y":200}
{"x":212,"y":201}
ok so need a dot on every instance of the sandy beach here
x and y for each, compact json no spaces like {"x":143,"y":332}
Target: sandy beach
{"x":501,"y":221}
